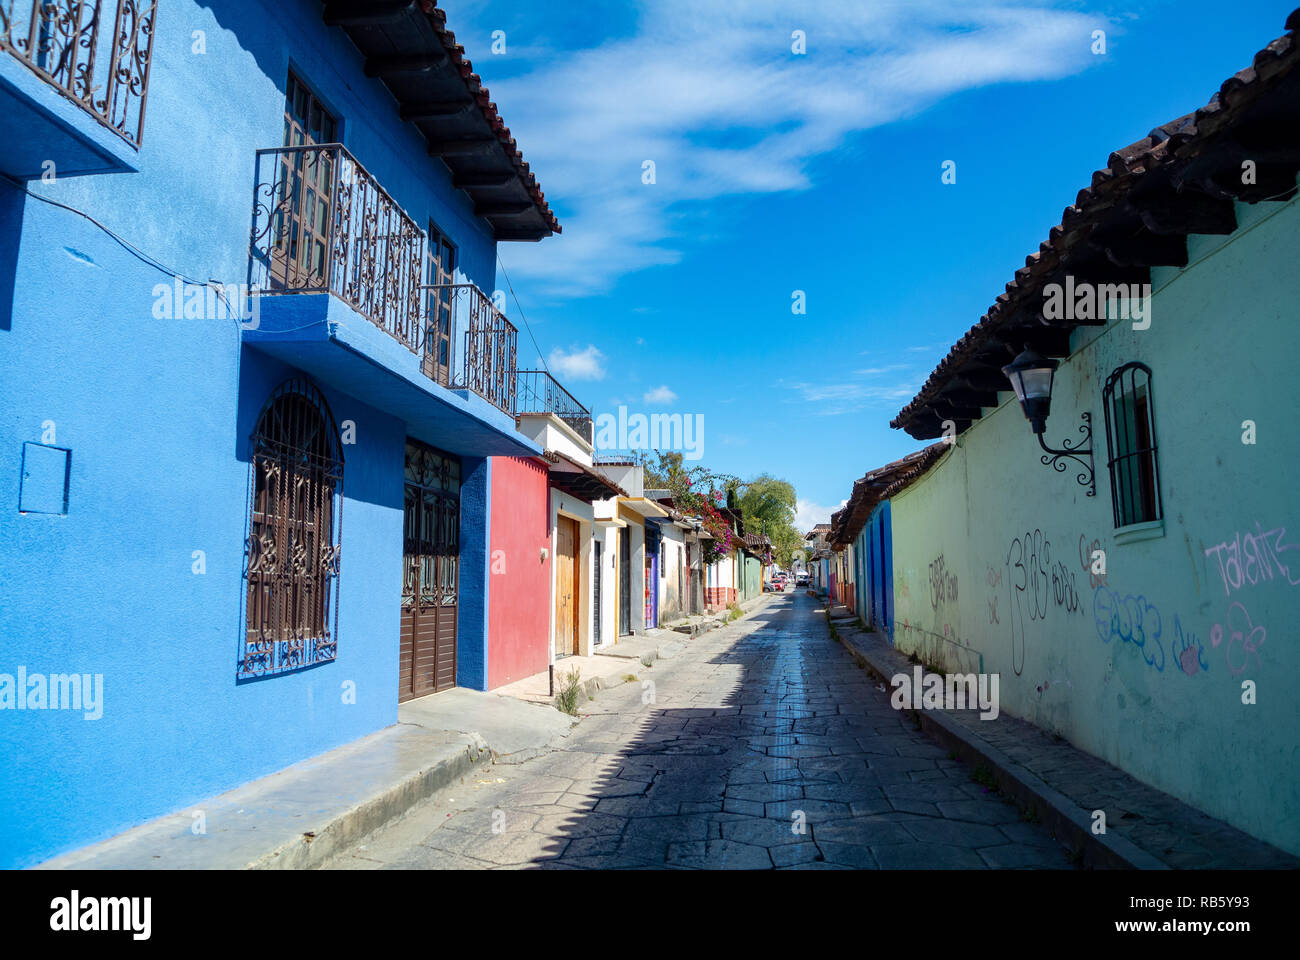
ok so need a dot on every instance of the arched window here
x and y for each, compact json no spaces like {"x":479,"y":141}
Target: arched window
{"x":1131,"y":445}
{"x":292,"y":552}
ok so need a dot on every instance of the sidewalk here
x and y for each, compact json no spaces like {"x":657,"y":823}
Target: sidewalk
{"x":299,"y":817}
{"x":624,"y":662}
{"x":1146,"y":828}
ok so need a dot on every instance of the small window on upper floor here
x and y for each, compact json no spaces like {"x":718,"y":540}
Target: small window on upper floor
{"x":1131,"y":445}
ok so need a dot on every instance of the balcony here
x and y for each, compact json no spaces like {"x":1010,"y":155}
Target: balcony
{"x":344,"y":291}
{"x":75,"y":95}
{"x":539,"y":392}
{"x":322,"y":224}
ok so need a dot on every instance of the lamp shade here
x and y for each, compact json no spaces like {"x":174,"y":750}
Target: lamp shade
{"x":1031,"y":378}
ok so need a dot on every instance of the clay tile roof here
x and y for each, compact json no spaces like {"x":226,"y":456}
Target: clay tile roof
{"x":1189,"y":161}
{"x":483,"y":98}
{"x":877,"y":486}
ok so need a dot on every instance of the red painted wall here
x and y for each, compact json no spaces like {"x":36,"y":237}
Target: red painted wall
{"x":519,"y":591}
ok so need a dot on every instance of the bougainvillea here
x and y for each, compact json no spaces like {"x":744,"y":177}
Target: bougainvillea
{"x":689,"y":502}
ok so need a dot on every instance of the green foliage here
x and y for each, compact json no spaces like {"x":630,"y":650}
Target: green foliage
{"x":566,"y":699}
{"x":769,"y":505}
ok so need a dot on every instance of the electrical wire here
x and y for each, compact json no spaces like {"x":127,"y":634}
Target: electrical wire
{"x":211,"y":284}
{"x":511,"y":288}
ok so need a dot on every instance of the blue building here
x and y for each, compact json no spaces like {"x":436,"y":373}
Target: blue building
{"x":250,"y":389}
{"x":861,"y":532}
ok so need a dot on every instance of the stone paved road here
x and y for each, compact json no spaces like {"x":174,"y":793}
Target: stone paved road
{"x":752,"y":728}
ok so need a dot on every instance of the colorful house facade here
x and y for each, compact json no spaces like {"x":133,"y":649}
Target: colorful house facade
{"x":258,"y":415}
{"x":1115,"y":538}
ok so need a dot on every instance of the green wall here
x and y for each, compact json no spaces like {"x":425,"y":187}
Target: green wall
{"x":1143,"y":667}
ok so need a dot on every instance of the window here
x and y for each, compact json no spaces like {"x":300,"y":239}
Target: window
{"x":1131,"y":445}
{"x":292,"y":552}
{"x":304,"y":214}
{"x":441,"y":273}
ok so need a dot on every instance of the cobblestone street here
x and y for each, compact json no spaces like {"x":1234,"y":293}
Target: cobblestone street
{"x":762,"y":745}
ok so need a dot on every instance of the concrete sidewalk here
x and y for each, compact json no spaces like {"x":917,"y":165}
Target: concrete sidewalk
{"x":302,"y":815}
{"x":1146,"y":828}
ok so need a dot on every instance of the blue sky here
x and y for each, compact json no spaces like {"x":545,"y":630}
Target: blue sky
{"x":821,"y":172}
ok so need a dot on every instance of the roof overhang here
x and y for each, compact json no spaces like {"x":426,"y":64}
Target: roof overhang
{"x":408,"y":48}
{"x":1179,"y":180}
{"x":643,"y":506}
{"x":579,"y":480}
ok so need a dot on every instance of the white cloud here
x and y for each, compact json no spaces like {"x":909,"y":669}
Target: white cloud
{"x":808,"y":514}
{"x":586,"y":364}
{"x":713,"y":95}
{"x":661,"y":395}
{"x":829,"y":399}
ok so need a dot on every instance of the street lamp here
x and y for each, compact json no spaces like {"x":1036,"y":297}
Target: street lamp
{"x":1032,"y":377}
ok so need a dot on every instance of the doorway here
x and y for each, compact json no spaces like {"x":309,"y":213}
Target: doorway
{"x":430,"y":572}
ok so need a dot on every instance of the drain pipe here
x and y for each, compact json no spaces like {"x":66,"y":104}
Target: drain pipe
{"x":551,"y":671}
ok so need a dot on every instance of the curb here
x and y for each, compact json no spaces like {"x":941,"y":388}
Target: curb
{"x":344,"y":831}
{"x":1066,"y":820}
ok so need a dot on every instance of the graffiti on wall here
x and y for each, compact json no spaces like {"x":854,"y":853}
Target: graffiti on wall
{"x":1087,"y":553}
{"x":1035,"y":583}
{"x":1130,"y":619}
{"x":1252,"y":558}
{"x":994,"y":580}
{"x":1188,"y":650}
{"x":943,"y":585}
{"x":1243,"y":639}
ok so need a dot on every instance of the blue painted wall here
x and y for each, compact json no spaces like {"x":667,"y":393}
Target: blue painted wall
{"x":157,"y":414}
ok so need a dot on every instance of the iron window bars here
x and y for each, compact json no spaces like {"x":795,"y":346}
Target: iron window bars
{"x":68,"y":44}
{"x":1131,"y":445}
{"x":293,"y":545}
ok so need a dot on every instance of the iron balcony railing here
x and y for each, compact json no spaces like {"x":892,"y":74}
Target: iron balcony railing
{"x":539,"y":392}
{"x":486,"y":363}
{"x":96,"y":52}
{"x":323,"y":224}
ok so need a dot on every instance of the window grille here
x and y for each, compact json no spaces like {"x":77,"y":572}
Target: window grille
{"x":1131,"y":445}
{"x":292,"y":551}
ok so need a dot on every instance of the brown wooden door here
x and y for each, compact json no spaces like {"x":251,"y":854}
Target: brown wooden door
{"x":566,"y":587}
{"x":430,"y":572}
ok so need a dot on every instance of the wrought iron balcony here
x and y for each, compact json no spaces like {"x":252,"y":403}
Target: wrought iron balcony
{"x":486,"y":364}
{"x":539,"y":392}
{"x":96,"y":52}
{"x":323,"y":224}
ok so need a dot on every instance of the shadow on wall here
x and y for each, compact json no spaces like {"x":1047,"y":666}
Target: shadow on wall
{"x":13,"y":201}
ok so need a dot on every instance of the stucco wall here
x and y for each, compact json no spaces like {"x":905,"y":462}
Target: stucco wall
{"x":520,"y":578}
{"x":157,"y":414}
{"x":1143,"y":666}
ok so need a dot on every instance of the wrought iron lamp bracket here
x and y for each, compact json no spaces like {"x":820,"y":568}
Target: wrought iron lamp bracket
{"x":1087,"y":472}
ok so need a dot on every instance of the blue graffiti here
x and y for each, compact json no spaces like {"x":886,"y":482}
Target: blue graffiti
{"x":1188,"y":650}
{"x":1132,"y":619}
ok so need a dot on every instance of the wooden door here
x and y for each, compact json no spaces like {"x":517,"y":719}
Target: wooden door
{"x":566,"y":587}
{"x":430,"y":572}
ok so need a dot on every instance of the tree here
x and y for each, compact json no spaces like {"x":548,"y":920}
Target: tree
{"x":768,"y":506}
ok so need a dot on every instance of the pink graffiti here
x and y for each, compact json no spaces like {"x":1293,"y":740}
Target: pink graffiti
{"x":1241,"y":633}
{"x":1253,"y":559}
